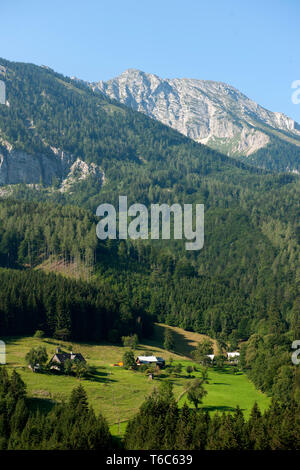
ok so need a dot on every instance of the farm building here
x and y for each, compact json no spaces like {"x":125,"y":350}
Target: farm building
{"x":60,"y":358}
{"x":231,"y":356}
{"x":149,"y":360}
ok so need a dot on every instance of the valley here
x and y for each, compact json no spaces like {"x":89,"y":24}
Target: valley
{"x":118,"y":393}
{"x":67,"y":148}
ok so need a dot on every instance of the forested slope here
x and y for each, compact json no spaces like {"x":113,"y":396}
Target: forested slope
{"x":244,"y":281}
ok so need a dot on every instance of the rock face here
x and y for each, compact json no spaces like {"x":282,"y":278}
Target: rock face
{"x":80,"y":171}
{"x":17,"y":166}
{"x":213,"y":113}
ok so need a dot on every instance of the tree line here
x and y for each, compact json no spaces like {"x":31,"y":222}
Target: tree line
{"x":72,"y":425}
{"x":161,"y":424}
{"x":64,"y":308}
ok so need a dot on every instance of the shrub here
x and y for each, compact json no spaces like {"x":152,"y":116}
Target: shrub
{"x":39,"y":334}
{"x":128,"y":360}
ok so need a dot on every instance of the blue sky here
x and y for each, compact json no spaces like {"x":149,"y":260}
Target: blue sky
{"x":250,"y":44}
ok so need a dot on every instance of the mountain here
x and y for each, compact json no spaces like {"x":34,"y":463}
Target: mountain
{"x":56,"y":130}
{"x":66,"y":148}
{"x":212,"y":113}
{"x":64,"y":144}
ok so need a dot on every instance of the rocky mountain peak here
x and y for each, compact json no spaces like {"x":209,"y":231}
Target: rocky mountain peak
{"x":210,"y":112}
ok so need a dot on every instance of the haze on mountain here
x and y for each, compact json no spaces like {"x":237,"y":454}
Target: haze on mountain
{"x":212,"y":113}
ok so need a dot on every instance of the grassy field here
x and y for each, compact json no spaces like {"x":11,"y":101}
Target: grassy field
{"x":118,"y":393}
{"x":226,"y":390}
{"x":185,"y":341}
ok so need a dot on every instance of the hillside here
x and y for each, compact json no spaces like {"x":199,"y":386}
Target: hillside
{"x":59,"y":132}
{"x":67,"y":150}
{"x":229,"y":295}
{"x":185,"y":341}
{"x":213,"y":113}
{"x":116,"y":392}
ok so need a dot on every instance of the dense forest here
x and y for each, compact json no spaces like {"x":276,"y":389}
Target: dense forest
{"x":68,"y":426}
{"x":148,"y":275}
{"x":277,"y":155}
{"x":160,"y":424}
{"x":65,"y":308}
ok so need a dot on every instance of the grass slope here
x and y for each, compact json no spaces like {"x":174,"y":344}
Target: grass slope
{"x":118,"y":393}
{"x":185,"y":341}
{"x":226,"y":390}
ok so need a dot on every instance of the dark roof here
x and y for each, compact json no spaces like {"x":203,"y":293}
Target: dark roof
{"x":79,"y":356}
{"x":62,"y":357}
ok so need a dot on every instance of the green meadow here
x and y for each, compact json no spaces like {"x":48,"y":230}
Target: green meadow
{"x":118,"y":393}
{"x":227,"y":390}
